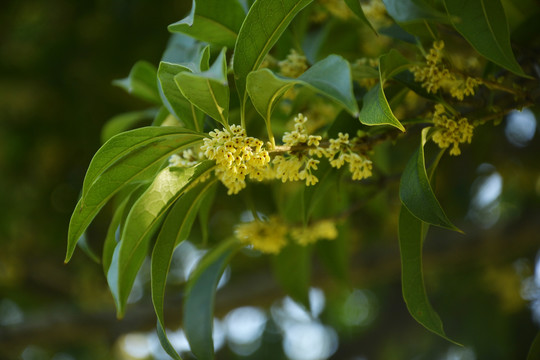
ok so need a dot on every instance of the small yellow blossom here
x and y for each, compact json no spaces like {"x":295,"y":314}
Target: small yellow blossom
{"x":338,"y":8}
{"x":435,"y":75}
{"x":266,"y":236}
{"x":236,"y":156}
{"x":450,"y":131}
{"x":294,"y":65}
{"x":325,"y":229}
{"x":341,"y":152}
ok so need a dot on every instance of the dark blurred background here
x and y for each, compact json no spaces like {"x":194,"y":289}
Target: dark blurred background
{"x":57,"y":61}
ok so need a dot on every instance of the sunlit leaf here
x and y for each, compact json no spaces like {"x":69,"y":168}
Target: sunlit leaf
{"x":173,"y":98}
{"x":483,"y":24}
{"x":141,"y":82}
{"x":198,"y":307}
{"x":175,"y":229}
{"x":411,"y":235}
{"x":146,"y":214}
{"x":264,"y":24}
{"x":208,"y":90}
{"x":126,"y":158}
{"x":416,"y":193}
{"x":214,"y":21}
{"x":295,"y":283}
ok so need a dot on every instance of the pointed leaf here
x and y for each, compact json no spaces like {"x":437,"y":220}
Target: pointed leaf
{"x":264,"y":24}
{"x":376,"y":110}
{"x":146,"y":214}
{"x":174,"y":230}
{"x":209,"y":90}
{"x":416,"y":193}
{"x":204,"y":212}
{"x":214,"y":21}
{"x":356,"y":8}
{"x":200,"y":297}
{"x":411,"y":236}
{"x":173,"y":98}
{"x":126,"y":158}
{"x":483,"y":24}
{"x":295,"y":283}
{"x":141,"y":82}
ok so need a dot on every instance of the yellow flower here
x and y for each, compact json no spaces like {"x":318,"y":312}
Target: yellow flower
{"x":325,"y":229}
{"x":294,"y":65}
{"x":450,"y":131}
{"x":266,"y":236}
{"x":236,"y":156}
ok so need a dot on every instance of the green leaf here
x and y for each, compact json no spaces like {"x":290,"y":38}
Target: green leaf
{"x":264,"y":24}
{"x":198,"y":307}
{"x":356,"y":8}
{"x":214,"y":21}
{"x":85,"y":247}
{"x":125,"y":121}
{"x":126,"y":158}
{"x":174,"y":100}
{"x":334,"y":255}
{"x":204,"y":212}
{"x":146,"y":214}
{"x":483,"y":24}
{"x":314,"y":194}
{"x":406,"y":11}
{"x":175,"y":229}
{"x":141,"y":82}
{"x":376,"y":110}
{"x":416,"y":193}
{"x":330,"y":77}
{"x":208,"y":90}
{"x":295,"y":283}
{"x":411,"y":235}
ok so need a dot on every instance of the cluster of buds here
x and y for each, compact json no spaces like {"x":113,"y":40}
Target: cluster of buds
{"x":434,"y":75}
{"x":450,"y":131}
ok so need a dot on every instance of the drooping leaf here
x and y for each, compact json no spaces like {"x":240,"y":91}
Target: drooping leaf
{"x":483,"y":24}
{"x":85,"y":247}
{"x":126,"y":158}
{"x":198,"y":307}
{"x":411,"y":236}
{"x":214,"y":21}
{"x":141,"y":82}
{"x":261,"y":29}
{"x":356,"y":8}
{"x":175,"y":229}
{"x":405,"y":11}
{"x":173,"y":98}
{"x":208,"y":90}
{"x":182,"y":49}
{"x":416,"y":193}
{"x":125,"y":121}
{"x":146,"y":214}
{"x":295,"y":283}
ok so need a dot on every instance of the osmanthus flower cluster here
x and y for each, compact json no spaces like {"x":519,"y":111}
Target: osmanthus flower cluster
{"x":271,"y":235}
{"x":450,"y":131}
{"x":239,"y":156}
{"x":434,"y":75}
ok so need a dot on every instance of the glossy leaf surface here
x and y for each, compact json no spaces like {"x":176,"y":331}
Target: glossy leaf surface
{"x":214,"y":21}
{"x":141,"y":82}
{"x":483,"y":24}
